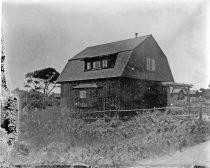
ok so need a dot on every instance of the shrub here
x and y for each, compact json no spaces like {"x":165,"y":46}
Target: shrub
{"x":34,"y":100}
{"x":196,"y":101}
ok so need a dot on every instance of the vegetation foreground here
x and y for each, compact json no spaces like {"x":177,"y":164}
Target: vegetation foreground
{"x":58,"y":136}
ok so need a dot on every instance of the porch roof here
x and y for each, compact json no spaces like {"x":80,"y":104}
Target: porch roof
{"x":87,"y":85}
{"x":174,"y":84}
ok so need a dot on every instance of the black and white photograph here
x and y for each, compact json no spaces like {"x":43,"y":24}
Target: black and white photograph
{"x":105,"y":84}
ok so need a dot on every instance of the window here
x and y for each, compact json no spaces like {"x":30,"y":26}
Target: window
{"x":150,"y":64}
{"x":104,"y":63}
{"x":100,"y":63}
{"x":96,"y":64}
{"x":82,"y":94}
{"x":88,"y":65}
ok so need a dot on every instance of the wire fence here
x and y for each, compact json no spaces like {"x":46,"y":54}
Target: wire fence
{"x":183,"y":111}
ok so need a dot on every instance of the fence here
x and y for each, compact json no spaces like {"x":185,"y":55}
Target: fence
{"x":184,"y":111}
{"x":118,"y":166}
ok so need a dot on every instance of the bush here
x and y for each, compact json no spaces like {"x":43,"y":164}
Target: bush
{"x":194,"y":101}
{"x":34,"y":100}
{"x":197,"y":101}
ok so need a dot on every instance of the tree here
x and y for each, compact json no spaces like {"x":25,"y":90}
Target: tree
{"x":43,"y":80}
{"x":3,"y":76}
{"x":8,"y":103}
{"x":10,"y":115}
{"x":202,"y":92}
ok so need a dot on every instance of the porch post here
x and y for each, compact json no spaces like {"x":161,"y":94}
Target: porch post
{"x":188,"y":96}
{"x":168,"y":96}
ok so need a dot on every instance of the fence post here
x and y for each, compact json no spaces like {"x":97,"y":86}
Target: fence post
{"x":118,"y":114}
{"x":200,"y":113}
{"x":154,"y":109}
{"x":168,"y":96}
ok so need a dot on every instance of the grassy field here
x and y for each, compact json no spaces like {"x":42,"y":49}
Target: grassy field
{"x":56,"y":136}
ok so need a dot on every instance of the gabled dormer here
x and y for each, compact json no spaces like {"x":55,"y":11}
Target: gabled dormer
{"x":139,"y":58}
{"x":97,"y":63}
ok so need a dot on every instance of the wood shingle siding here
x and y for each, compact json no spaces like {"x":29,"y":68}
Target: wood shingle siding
{"x":136,"y":67}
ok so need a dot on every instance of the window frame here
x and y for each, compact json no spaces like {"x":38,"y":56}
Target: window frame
{"x":88,"y":67}
{"x":83,"y":94}
{"x":100,"y":63}
{"x":104,"y":63}
{"x":96,"y":64}
{"x":150,"y":64}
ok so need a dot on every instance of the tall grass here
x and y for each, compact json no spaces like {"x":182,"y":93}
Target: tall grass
{"x":55,"y":135}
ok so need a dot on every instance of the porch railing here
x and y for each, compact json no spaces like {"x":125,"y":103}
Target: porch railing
{"x":87,"y":102}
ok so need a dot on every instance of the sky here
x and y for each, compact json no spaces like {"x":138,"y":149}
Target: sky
{"x":40,"y":34}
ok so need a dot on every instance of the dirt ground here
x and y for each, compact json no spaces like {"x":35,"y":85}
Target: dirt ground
{"x":196,"y":155}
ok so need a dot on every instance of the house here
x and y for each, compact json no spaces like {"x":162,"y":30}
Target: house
{"x":178,"y":93}
{"x":55,"y":95}
{"x":126,"y":74}
{"x":194,"y":93}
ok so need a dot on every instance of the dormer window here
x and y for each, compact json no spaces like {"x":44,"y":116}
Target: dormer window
{"x":88,"y":66}
{"x":100,"y":62}
{"x":104,"y":63}
{"x":96,"y":64}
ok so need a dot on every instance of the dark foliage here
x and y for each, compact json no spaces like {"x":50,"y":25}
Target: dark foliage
{"x":49,"y":74}
{"x":204,"y":93}
{"x":3,"y":76}
{"x":6,"y":125}
{"x":10,"y":115}
{"x":150,"y":97}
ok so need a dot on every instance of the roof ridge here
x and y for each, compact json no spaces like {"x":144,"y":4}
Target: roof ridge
{"x":120,"y":41}
{"x":112,"y":47}
{"x":72,"y":59}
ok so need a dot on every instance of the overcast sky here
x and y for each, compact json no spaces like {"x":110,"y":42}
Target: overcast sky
{"x":44,"y":34}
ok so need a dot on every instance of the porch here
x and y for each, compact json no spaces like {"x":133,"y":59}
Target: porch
{"x":98,"y":104}
{"x":172,"y":86}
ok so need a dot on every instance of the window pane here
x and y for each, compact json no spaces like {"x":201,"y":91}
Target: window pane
{"x":153,"y":65}
{"x":148,"y":64}
{"x":88,"y":65}
{"x":96,"y":65}
{"x":104,"y":63}
{"x":82,"y":94}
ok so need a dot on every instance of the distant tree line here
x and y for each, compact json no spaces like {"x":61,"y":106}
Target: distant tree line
{"x":205,"y":93}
